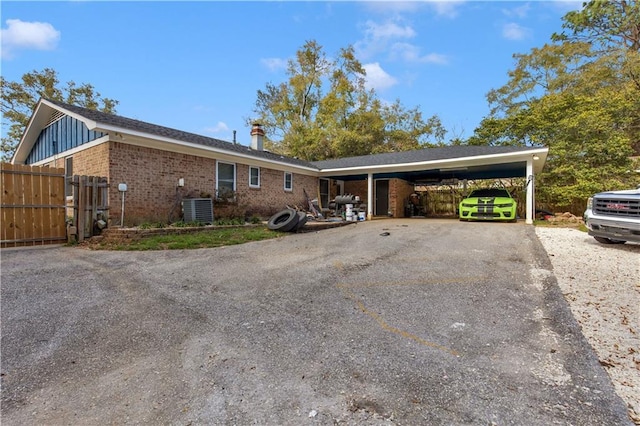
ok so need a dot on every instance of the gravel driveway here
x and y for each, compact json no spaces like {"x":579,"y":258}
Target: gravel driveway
{"x":438,"y":322}
{"x":602,"y":285}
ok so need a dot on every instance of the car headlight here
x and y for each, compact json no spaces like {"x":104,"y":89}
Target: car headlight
{"x":589,"y":203}
{"x":504,"y":205}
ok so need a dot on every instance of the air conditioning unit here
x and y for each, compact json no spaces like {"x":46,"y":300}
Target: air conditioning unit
{"x":198,"y":210}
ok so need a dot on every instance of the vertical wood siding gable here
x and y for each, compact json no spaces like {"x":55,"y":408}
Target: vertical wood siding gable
{"x":67,"y":133}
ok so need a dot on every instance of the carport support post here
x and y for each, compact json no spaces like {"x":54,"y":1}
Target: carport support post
{"x":370,"y":196}
{"x":530,"y":193}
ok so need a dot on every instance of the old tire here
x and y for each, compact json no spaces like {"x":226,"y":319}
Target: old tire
{"x":302,"y":220}
{"x":604,"y":240}
{"x":284,"y":220}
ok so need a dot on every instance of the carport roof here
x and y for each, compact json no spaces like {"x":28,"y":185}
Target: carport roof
{"x":436,"y":164}
{"x":417,"y":156}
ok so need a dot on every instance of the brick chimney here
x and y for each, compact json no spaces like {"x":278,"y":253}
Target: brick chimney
{"x":257,"y":135}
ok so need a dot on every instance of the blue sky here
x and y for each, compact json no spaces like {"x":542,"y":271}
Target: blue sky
{"x":197,"y":66}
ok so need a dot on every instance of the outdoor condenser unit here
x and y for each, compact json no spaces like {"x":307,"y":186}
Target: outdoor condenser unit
{"x":198,"y":210}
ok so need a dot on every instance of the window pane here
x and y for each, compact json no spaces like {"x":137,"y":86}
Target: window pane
{"x":254,"y":176}
{"x":226,"y":184}
{"x":288,"y":180}
{"x":226,"y":171}
{"x":68,"y":175}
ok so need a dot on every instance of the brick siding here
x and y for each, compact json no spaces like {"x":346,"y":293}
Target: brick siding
{"x":152,"y":177}
{"x":399,"y":192}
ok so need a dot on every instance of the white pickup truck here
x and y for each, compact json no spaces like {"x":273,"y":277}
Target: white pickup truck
{"x":613,"y":217}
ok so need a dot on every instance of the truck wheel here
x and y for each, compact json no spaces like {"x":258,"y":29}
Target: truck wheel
{"x":608,"y":240}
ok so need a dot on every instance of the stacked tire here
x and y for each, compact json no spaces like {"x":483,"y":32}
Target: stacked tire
{"x":288,"y":220}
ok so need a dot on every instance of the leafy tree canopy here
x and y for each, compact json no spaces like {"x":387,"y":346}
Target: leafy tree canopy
{"x":580,"y":96}
{"x":324,"y":111}
{"x":19,"y":99}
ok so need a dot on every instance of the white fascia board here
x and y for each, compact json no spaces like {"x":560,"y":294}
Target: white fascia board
{"x":440,"y":164}
{"x":174,"y":145}
{"x":89,"y":123}
{"x":38,"y":119}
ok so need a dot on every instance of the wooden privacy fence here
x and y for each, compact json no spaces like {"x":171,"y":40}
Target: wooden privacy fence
{"x":33,"y":205}
{"x":90,"y":205}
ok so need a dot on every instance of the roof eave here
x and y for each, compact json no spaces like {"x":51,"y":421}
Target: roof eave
{"x":525,"y":155}
{"x":194,"y":146}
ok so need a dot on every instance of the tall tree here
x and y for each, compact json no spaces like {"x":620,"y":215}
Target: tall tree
{"x":19,"y":99}
{"x":325,"y":111}
{"x":579,"y":96}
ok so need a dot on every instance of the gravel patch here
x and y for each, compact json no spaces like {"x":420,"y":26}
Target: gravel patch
{"x":601,"y":283}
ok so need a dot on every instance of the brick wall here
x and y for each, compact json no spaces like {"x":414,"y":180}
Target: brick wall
{"x":152,"y":175}
{"x":399,"y":192}
{"x":271,"y":196}
{"x":93,"y":161}
{"x":356,"y":187}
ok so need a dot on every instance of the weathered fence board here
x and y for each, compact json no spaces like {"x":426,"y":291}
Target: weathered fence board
{"x":33,"y":210}
{"x":90,"y":203}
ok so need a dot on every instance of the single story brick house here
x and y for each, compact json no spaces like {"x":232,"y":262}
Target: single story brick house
{"x":160,"y":165}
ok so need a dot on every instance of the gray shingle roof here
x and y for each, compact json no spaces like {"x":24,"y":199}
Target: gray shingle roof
{"x":421,"y":155}
{"x":156,"y":130}
{"x":417,"y":156}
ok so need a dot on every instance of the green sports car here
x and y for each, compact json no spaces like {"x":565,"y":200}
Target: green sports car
{"x":488,"y":204}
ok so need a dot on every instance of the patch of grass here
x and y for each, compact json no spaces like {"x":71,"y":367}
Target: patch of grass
{"x":229,"y":221}
{"x":151,"y":225}
{"x":183,"y":224}
{"x":204,"y":239}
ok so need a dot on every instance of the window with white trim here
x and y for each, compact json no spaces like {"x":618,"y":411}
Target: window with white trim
{"x":254,"y":177}
{"x":288,"y":181}
{"x":225,"y":179}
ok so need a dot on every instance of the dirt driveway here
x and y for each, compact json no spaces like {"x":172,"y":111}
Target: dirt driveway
{"x":439,"y":322}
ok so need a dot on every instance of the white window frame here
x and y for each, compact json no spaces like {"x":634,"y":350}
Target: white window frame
{"x":235,"y":180}
{"x":251,"y":185}
{"x":68,"y":175}
{"x":290,"y":188}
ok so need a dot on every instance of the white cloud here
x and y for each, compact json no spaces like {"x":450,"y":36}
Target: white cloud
{"x":386,"y":7}
{"x":388,"y":30}
{"x":513,"y":31}
{"x":518,"y":12}
{"x":274,"y":64}
{"x":411,"y":53}
{"x":220,"y":127}
{"x":20,"y":35}
{"x":377,"y":78}
{"x":448,"y":9}
{"x":378,"y":36}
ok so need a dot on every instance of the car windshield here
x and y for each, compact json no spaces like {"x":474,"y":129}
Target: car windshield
{"x":490,"y":192}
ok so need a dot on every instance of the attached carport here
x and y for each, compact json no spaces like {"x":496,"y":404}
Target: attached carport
{"x":440,"y":164}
